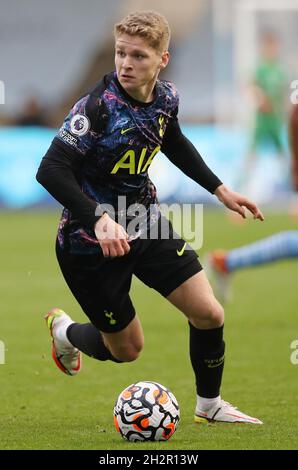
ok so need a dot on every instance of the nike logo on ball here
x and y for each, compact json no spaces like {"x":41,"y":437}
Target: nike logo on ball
{"x":180,"y":253}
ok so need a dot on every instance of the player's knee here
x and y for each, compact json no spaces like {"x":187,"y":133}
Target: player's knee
{"x":216,"y":313}
{"x":210,"y":315}
{"x":128,"y":353}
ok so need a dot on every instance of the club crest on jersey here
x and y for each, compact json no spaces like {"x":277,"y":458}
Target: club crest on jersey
{"x":79,"y":125}
{"x":162,"y":126}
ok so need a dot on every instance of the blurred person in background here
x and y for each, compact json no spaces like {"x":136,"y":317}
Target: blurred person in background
{"x":221,"y":264}
{"x":32,"y":114}
{"x":103,"y":151}
{"x":268,"y":91}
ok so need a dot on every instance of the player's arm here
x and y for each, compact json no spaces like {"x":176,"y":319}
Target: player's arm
{"x":185,"y":156}
{"x":263,"y":102}
{"x":59,"y":173}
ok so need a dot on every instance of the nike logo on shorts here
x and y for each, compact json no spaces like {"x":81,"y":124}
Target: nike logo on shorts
{"x":180,"y":253}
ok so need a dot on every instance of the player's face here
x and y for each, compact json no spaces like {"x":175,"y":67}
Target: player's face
{"x":138,"y":64}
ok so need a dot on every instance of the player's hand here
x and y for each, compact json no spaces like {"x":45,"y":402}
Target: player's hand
{"x":237,"y":203}
{"x":112,"y":237}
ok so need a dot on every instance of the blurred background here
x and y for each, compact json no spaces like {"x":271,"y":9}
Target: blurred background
{"x":233,"y":62}
{"x":53,"y":52}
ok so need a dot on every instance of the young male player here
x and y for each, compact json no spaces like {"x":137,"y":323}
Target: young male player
{"x":104,"y":150}
{"x":269,"y":90}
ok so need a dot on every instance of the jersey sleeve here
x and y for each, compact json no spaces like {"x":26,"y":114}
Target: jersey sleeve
{"x":84,"y":124}
{"x":60,"y":168}
{"x":183,"y":154}
{"x":59,"y":174}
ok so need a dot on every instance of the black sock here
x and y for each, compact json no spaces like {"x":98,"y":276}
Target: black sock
{"x":207,"y":350}
{"x":88,"y":339}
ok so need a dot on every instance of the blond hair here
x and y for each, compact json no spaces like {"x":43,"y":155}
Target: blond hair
{"x":149,"y":25}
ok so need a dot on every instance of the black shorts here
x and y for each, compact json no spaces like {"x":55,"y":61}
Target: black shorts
{"x":101,"y":285}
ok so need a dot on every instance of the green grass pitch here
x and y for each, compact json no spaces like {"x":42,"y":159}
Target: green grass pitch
{"x":41,"y":408}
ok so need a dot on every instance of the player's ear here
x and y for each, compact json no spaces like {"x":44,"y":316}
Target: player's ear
{"x":164,"y":60}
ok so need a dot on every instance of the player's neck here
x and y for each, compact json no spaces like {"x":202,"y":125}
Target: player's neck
{"x":146,"y":93}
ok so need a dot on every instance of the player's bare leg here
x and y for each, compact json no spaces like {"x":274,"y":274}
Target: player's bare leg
{"x":127,"y":344}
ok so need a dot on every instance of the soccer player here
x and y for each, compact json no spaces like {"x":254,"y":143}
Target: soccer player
{"x":102,"y":151}
{"x":268,"y":90}
{"x":284,"y":245}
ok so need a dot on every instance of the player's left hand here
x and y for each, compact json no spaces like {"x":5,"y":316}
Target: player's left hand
{"x":237,"y":203}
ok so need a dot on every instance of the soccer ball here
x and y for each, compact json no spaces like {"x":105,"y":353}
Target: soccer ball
{"x":146,"y":411}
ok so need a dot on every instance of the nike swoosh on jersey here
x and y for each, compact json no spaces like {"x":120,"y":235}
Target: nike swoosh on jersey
{"x":180,"y":253}
{"x":123,"y":131}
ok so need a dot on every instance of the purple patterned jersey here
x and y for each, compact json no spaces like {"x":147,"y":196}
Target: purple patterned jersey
{"x":118,"y":138}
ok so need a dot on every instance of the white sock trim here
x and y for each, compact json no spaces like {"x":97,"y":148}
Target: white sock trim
{"x":60,"y":332}
{"x":205,"y":404}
